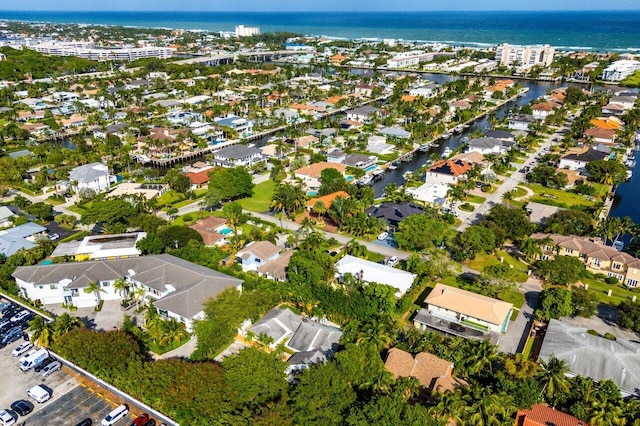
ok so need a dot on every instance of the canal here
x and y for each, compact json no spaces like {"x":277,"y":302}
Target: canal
{"x":627,"y":198}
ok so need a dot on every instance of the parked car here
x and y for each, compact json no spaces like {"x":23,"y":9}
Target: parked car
{"x":85,"y":422}
{"x":11,"y":336}
{"x":22,"y":348}
{"x":150,"y":422}
{"x":116,"y":414}
{"x":19,"y":316}
{"x":7,"y":417}
{"x":140,"y":420}
{"x":42,"y":364}
{"x":4,"y":322}
{"x":393,"y":261}
{"x":40,"y":393}
{"x":50,"y":368}
{"x":383,"y":236}
{"x":25,"y":320}
{"x":22,"y":407}
{"x":5,"y":306}
{"x":53,"y":237}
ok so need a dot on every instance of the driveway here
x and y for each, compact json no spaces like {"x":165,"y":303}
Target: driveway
{"x":514,"y":339}
{"x":109,"y":318}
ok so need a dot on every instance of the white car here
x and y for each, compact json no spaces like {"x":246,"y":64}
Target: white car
{"x":393,"y":261}
{"x":22,"y":348}
{"x":118,"y":413}
{"x":6,"y":418}
{"x":50,"y":368}
{"x":20,"y":315}
{"x":53,"y":237}
{"x":383,"y":236}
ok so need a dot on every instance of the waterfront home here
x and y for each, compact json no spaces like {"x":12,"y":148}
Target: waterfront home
{"x":101,"y":247}
{"x":360,"y":161}
{"x":600,"y":135}
{"x":612,"y":109}
{"x":619,"y":70}
{"x":179,"y":288}
{"x":462,"y":313}
{"x":242,"y":126}
{"x":35,"y":129}
{"x":395,"y":132}
{"x":448,"y":172}
{"x":210,"y":229}
{"x":363,"y":114}
{"x":626,"y":101}
{"x":579,"y":160}
{"x":489,"y":145}
{"x":115,"y":129}
{"x":613,"y":123}
{"x":520,"y":122}
{"x":500,"y":134}
{"x":238,"y":155}
{"x":543,"y":415}
{"x":393,"y":213}
{"x":372,"y":272}
{"x":434,"y":374}
{"x":542,"y":110}
{"x":592,"y":356}
{"x":327,"y":200}
{"x":427,"y":91}
{"x":93,"y":176}
{"x":256,"y":254}
{"x":594,"y":254}
{"x":21,"y":237}
{"x":430,"y":193}
{"x":180,"y":118}
{"x":310,"y":175}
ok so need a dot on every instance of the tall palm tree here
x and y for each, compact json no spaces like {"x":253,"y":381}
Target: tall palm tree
{"x":121,"y":286}
{"x":451,"y":406}
{"x":531,"y":248}
{"x":489,"y":408}
{"x":172,"y":331}
{"x":138,"y":294}
{"x":64,"y":324}
{"x":554,"y":377}
{"x":605,"y":413}
{"x":377,"y":333}
{"x":481,"y":357}
{"x":41,"y":331}
{"x":95,"y":288}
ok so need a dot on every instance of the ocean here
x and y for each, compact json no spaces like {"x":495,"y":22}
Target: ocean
{"x":615,"y":31}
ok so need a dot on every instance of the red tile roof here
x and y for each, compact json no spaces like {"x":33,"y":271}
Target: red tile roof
{"x":543,"y":415}
{"x":199,"y":178}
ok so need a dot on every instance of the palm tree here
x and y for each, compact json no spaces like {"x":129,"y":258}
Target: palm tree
{"x":451,"y":406}
{"x":489,"y":408}
{"x":481,"y":358}
{"x":288,"y":199}
{"x":64,"y":324}
{"x":319,"y":208}
{"x":171,"y":331}
{"x":455,"y":193}
{"x":95,"y":288}
{"x":553,"y":377}
{"x":377,"y":333}
{"x":138,"y":294}
{"x":605,"y":413}
{"x":121,"y":286}
{"x":531,"y":248}
{"x":41,"y":331}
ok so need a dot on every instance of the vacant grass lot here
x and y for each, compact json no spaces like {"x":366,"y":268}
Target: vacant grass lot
{"x":261,"y":199}
{"x":557,"y":197}
{"x":519,"y":269}
{"x":618,"y":291}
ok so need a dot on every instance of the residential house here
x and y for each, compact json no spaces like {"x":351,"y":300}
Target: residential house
{"x":424,"y":91}
{"x":336,"y":156}
{"x":199,"y":178}
{"x":146,"y":190}
{"x":181,"y":118}
{"x":489,"y":145}
{"x":102,"y":247}
{"x":431,"y":193}
{"x":276,"y":268}
{"x":256,"y":254}
{"x":462,"y":313}
{"x":592,"y":356}
{"x":310,"y":175}
{"x":327,"y":200}
{"x":434,"y":374}
{"x":360,"y":161}
{"x":596,"y":256}
{"x":612,"y":110}
{"x":363,"y":114}
{"x":579,"y":160}
{"x":242,"y":126}
{"x":500,"y":134}
{"x":367,"y":271}
{"x":394,"y":213}
{"x":238,"y":155}
{"x":364,"y":89}
{"x":179,"y":288}
{"x":93,"y":176}
{"x":395,"y":132}
{"x":21,"y":237}
{"x":626,"y":101}
{"x":210,"y":229}
{"x":542,"y":110}
{"x":448,"y":172}
{"x":520,"y":122}
{"x":600,"y":135}
{"x":5,"y":217}
{"x":543,"y":415}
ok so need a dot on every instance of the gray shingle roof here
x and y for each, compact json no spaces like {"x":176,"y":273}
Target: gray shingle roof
{"x":88,"y":172}
{"x":236,"y":151}
{"x":312,"y":335}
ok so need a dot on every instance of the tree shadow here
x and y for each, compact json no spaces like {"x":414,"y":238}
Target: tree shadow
{"x":89,"y":323}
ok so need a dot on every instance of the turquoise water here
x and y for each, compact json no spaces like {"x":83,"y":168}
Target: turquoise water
{"x":225,"y":231}
{"x":370,"y":168}
{"x":576,"y":30}
{"x":312,"y":193}
{"x":349,"y":178}
{"x":46,"y":262}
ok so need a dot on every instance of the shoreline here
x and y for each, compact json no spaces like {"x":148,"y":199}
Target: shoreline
{"x":473,"y":44}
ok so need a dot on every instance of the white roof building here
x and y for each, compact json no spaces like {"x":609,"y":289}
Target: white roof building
{"x":432,"y":193}
{"x":374,"y":272}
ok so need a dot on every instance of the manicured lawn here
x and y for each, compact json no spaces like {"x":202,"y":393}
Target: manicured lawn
{"x":513,"y":297}
{"x":557,"y":197}
{"x":261,"y":199}
{"x":77,"y":209}
{"x":170,"y":197}
{"x":519,"y":192}
{"x":618,"y":294}
{"x":475,"y":199}
{"x":194,"y":216}
{"x":519,"y":268}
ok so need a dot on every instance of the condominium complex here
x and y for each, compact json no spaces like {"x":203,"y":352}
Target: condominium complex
{"x":242,"y":31}
{"x":526,"y":56}
{"x":619,"y":70}
{"x":408,"y":59}
{"x":89,"y":51}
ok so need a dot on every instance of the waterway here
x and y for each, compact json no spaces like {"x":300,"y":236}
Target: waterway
{"x":627,"y":200}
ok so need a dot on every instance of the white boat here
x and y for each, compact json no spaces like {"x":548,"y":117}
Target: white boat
{"x":365,"y":180}
{"x":377,"y":172}
{"x":629,"y":174}
{"x":392,"y":167}
{"x":424,"y":147}
{"x":446,"y":152}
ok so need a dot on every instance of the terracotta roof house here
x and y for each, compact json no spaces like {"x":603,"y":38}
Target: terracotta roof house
{"x":328,"y":199}
{"x":463,"y":313}
{"x":433,"y":373}
{"x":200,"y":178}
{"x":601,"y":135}
{"x":543,"y":415}
{"x":208,"y":228}
{"x":448,"y":171}
{"x":596,"y":256}
{"x":607,"y":123}
{"x":542,"y":110}
{"x":310,"y":175}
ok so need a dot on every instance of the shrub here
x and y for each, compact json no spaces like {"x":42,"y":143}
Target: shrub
{"x":593,"y":332}
{"x":609,"y":336}
{"x":187,"y":217}
{"x":466,"y":207}
{"x":98,"y":308}
{"x":611,"y":280}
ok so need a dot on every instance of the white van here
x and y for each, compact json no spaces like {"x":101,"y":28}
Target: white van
{"x":39,"y":393}
{"x":33,"y":359}
{"x":118,"y":413}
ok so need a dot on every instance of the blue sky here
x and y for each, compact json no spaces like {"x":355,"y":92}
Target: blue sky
{"x":315,"y":5}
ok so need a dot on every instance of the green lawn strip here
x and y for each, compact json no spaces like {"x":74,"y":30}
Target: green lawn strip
{"x":77,"y":209}
{"x":514,"y":314}
{"x":557,"y":197}
{"x":170,"y":197}
{"x":618,"y":292}
{"x":261,"y":199}
{"x":526,"y":351}
{"x":519,"y":192}
{"x":54,"y":201}
{"x":75,"y":237}
{"x":180,"y":220}
{"x":475,"y":199}
{"x":514,"y":297}
{"x":519,"y":269}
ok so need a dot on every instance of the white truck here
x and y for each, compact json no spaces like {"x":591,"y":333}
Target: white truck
{"x":33,"y":359}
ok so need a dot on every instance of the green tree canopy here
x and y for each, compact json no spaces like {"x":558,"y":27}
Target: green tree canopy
{"x":569,"y":222}
{"x":228,"y":184}
{"x":421,"y":233}
{"x":554,"y":303}
{"x":560,"y":270}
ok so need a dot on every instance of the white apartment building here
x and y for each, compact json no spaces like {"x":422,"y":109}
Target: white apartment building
{"x":407,"y":59}
{"x":88,"y":51}
{"x":242,"y":31}
{"x":619,"y":70}
{"x":526,"y":56}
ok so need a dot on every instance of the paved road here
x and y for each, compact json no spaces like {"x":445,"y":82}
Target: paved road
{"x":514,"y":339}
{"x":509,"y":184}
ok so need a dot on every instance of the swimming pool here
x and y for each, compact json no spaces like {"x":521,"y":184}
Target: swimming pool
{"x":349,"y":178}
{"x":312,"y":193}
{"x":371,"y":168}
{"x":46,"y":262}
{"x":225,"y":231}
